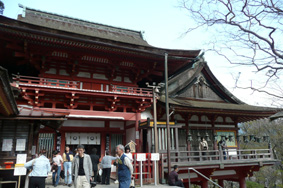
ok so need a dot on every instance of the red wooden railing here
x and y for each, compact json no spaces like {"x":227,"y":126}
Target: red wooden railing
{"x":77,"y":84}
{"x":132,"y":90}
{"x":46,"y":81}
{"x":147,"y":169}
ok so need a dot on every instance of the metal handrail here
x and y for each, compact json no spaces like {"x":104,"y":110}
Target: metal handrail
{"x":202,"y":176}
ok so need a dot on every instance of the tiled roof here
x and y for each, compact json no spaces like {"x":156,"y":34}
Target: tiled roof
{"x":219,"y":105}
{"x":74,"y":25}
{"x":26,"y":111}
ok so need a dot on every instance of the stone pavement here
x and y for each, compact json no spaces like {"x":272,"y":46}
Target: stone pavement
{"x":112,"y":184}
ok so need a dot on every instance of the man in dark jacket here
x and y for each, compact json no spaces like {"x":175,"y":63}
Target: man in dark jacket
{"x":95,"y":162}
{"x":173,"y":178}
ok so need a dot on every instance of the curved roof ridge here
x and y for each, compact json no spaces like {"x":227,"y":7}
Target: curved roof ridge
{"x":80,"y":26}
{"x":221,"y":86}
{"x":83,"y":20}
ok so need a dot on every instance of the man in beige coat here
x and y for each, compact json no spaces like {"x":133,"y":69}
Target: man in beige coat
{"x":82,"y":168}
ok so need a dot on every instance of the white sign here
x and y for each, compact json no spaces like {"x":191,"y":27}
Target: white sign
{"x":21,"y":159}
{"x":21,"y":145}
{"x":155,"y":157}
{"x":20,"y":171}
{"x":7,"y":145}
{"x":141,"y":157}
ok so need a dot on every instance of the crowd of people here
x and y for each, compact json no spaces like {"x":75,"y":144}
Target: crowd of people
{"x":79,"y":168}
{"x":83,"y":169}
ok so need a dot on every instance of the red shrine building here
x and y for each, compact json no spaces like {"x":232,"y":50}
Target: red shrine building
{"x":66,"y":81}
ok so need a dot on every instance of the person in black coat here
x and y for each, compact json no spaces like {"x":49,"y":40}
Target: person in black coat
{"x":95,"y":162}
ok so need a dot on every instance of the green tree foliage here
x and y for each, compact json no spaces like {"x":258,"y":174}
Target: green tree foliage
{"x":272,"y":175}
{"x":251,"y":184}
{"x":2,"y":7}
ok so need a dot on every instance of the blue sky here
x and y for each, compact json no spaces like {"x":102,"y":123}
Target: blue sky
{"x":162,"y":21}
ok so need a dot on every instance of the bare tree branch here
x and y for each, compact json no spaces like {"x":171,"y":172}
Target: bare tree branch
{"x":246,"y":33}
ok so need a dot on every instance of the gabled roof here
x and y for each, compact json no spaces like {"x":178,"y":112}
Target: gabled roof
{"x":195,"y":74}
{"x":195,"y":89}
{"x":276,"y":116}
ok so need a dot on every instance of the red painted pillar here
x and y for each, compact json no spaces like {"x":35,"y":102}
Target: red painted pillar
{"x":221,"y":182}
{"x":63,"y":143}
{"x":138,"y":117}
{"x":102,"y":144}
{"x":204,"y":183}
{"x":242,"y":182}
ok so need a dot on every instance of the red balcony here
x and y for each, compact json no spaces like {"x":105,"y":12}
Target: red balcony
{"x":66,"y":94}
{"x":77,"y":85}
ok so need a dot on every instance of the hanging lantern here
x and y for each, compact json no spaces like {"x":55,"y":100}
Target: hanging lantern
{"x":215,"y":137}
{"x":258,"y":139}
{"x":238,"y":138}
{"x":198,"y":137}
{"x":207,"y":137}
{"x":245,"y":138}
{"x":252,"y":137}
{"x":266,"y":138}
{"x":189,"y":137}
{"x":230,"y":138}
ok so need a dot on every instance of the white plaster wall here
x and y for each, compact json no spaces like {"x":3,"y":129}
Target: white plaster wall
{"x":146,"y":114}
{"x":82,"y":123}
{"x":116,"y":124}
{"x":130,"y":135}
{"x":128,"y":123}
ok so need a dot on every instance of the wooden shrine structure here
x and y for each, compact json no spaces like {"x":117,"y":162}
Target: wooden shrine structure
{"x":79,"y":82}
